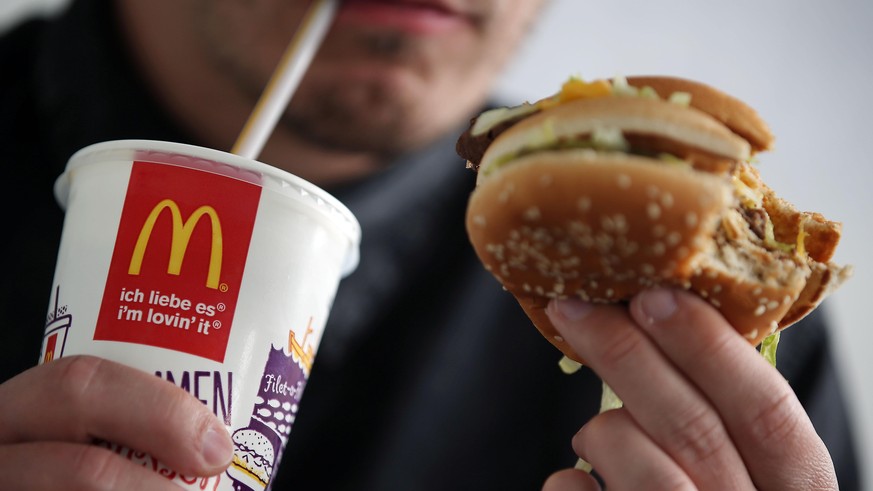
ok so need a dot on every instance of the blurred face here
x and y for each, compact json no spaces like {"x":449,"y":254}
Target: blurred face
{"x":391,"y":75}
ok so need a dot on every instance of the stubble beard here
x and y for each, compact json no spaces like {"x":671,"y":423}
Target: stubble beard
{"x":331,"y":112}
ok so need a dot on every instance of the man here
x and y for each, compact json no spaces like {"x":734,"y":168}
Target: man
{"x":429,"y":376}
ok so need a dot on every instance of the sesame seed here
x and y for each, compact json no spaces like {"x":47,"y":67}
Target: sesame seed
{"x":480,"y":220}
{"x":532,"y":213}
{"x":624,"y":181}
{"x":674,"y":239}
{"x":506,"y":192}
{"x":760,"y":310}
{"x":584,"y":203}
{"x":667,"y":200}
{"x":559,"y":339}
{"x":752,"y":334}
{"x":620,"y":222}
{"x":653,"y":210}
{"x":691,"y":219}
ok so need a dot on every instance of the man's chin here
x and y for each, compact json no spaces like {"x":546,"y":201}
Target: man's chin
{"x":379,"y":138}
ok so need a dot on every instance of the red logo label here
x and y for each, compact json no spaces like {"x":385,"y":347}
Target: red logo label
{"x":178,"y":261}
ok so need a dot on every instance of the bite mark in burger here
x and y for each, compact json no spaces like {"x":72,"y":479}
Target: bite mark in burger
{"x":611,"y":187}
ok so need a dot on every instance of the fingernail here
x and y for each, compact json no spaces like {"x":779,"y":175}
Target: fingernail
{"x":217,"y":447}
{"x":572,"y":309}
{"x":657,"y":305}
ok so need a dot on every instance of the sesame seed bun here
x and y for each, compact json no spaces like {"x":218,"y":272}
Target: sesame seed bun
{"x":550,"y":218}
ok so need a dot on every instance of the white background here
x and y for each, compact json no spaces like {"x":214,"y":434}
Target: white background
{"x":805,"y":65}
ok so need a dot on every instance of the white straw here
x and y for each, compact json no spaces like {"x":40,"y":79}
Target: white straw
{"x":285,"y":79}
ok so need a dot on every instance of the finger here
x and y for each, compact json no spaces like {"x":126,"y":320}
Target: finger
{"x":91,"y":398}
{"x":571,"y":480}
{"x":660,"y":399}
{"x":771,"y":430}
{"x":43,"y":466}
{"x":612,"y":440}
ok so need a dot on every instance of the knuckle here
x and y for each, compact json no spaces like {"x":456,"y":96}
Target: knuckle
{"x":670,"y":480}
{"x":95,"y":469}
{"x":77,"y":375}
{"x":171,"y":405}
{"x":176,"y":412}
{"x":77,"y":379}
{"x":776,"y":421}
{"x":700,"y":437}
{"x":616,"y":350}
{"x":719,"y":347}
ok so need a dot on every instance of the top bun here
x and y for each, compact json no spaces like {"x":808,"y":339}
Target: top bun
{"x":738,"y":116}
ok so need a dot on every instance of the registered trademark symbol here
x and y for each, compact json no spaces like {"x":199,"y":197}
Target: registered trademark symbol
{"x":216,"y":324}
{"x":221,"y":307}
{"x":223,"y":288}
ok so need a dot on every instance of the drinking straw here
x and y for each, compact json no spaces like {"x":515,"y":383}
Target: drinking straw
{"x":285,"y":78}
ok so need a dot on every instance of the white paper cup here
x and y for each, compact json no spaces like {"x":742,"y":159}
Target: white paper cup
{"x":209,"y":270}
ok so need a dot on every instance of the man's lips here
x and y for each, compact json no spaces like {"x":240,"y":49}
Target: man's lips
{"x":413,"y":16}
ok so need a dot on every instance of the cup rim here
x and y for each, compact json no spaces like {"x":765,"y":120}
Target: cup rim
{"x":219,"y":162}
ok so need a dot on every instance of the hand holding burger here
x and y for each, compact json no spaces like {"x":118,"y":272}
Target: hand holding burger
{"x":702,"y":409}
{"x":628,"y":220}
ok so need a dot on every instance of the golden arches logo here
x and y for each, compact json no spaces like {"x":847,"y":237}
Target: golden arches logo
{"x":181,"y":235}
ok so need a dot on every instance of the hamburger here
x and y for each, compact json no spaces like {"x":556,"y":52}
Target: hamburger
{"x":253,"y":458}
{"x":613,"y":186}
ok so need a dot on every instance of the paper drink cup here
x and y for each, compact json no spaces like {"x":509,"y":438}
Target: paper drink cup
{"x":207,"y":269}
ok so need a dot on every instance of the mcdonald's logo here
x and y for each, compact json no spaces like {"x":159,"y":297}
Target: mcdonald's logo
{"x":184,"y":234}
{"x":179,"y":239}
{"x":50,"y":346}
